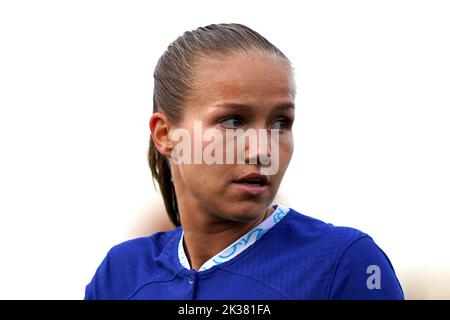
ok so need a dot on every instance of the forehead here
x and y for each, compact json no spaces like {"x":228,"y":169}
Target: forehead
{"x":243,"y":78}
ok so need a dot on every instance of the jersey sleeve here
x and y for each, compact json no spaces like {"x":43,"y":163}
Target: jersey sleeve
{"x":100,"y":282}
{"x":364,"y":272}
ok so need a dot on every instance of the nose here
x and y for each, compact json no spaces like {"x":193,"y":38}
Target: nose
{"x":258,"y":150}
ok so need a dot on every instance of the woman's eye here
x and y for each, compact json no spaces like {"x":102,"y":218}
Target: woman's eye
{"x":281,"y":125}
{"x":231,"y":123}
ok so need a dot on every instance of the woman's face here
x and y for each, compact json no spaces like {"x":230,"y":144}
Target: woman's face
{"x":245,"y":91}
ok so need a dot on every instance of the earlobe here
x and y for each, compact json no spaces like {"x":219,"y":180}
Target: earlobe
{"x":160,"y":131}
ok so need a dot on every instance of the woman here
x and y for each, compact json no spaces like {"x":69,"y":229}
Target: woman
{"x":212,"y":86}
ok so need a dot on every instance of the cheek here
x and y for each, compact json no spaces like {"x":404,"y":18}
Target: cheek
{"x":204,"y":177}
{"x":286,"y":151}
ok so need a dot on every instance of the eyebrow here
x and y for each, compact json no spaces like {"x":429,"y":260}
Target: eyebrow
{"x":279,"y":107}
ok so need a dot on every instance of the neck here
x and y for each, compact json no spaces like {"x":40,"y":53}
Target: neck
{"x":205,"y":235}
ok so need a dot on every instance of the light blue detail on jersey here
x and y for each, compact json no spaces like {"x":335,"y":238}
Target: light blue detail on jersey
{"x":238,"y":246}
{"x":280,"y":214}
{"x":242,"y":242}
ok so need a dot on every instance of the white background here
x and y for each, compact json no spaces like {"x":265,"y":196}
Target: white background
{"x":372,"y":130}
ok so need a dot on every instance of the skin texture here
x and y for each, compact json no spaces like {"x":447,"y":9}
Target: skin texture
{"x":214,"y":212}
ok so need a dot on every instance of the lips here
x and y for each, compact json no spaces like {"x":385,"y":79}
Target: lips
{"x":252,"y":184}
{"x":254,"y":178}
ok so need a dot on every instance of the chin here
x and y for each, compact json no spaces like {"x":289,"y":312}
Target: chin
{"x":247,"y":210}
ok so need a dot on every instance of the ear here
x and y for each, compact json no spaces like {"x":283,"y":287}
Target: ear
{"x":160,"y":131}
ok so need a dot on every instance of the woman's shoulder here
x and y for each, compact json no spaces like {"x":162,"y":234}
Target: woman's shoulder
{"x":130,"y":264}
{"x":353,"y":258}
{"x":309,"y":229}
{"x":152,"y":245}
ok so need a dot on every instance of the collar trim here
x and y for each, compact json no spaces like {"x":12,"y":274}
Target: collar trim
{"x":239,"y":245}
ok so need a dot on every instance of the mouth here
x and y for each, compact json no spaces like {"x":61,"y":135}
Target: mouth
{"x":253,"y":184}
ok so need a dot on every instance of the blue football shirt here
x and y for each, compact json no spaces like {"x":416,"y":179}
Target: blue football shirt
{"x":293,"y":257}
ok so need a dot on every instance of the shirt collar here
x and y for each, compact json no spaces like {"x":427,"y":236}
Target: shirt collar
{"x":239,"y":245}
